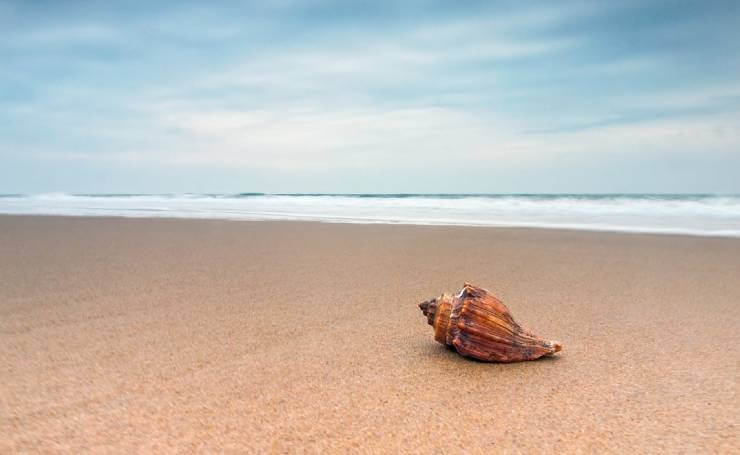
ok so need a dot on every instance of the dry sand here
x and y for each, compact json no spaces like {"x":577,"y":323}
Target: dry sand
{"x":161,"y":335}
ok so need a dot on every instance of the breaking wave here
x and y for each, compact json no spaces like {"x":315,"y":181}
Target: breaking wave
{"x":697,"y":214}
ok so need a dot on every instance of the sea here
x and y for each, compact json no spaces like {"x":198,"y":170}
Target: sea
{"x":692,"y":214}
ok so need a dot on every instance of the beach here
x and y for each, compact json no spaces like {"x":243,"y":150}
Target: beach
{"x":160,"y":335}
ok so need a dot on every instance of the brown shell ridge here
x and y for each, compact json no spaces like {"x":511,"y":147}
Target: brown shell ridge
{"x":520,"y":336}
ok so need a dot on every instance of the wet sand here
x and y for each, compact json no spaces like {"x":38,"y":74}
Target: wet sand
{"x":156,"y":335}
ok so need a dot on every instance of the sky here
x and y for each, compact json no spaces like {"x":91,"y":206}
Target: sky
{"x":370,"y":97}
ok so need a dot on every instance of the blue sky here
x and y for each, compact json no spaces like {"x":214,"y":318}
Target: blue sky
{"x":376,"y":96}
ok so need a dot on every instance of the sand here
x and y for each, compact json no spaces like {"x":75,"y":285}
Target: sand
{"x":157,"y":335}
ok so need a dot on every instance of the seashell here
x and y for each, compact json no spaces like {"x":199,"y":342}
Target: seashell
{"x":479,"y":325}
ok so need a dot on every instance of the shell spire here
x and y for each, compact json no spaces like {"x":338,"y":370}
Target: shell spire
{"x":479,"y":325}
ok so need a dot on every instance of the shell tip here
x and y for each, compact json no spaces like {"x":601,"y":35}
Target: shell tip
{"x":429,"y":308}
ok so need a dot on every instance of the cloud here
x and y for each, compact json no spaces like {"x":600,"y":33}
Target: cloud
{"x":66,"y":35}
{"x":285,"y":89}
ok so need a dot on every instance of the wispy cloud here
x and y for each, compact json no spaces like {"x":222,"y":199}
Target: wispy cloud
{"x":276,"y":88}
{"x":66,"y":35}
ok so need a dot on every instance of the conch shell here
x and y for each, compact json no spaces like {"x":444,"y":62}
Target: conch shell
{"x":479,"y":325}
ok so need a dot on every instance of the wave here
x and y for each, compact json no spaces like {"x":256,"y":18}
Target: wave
{"x":698,"y":214}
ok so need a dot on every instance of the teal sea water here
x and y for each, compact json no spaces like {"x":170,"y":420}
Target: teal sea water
{"x":695,"y":214}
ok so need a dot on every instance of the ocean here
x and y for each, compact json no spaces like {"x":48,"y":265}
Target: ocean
{"x":693,"y":214}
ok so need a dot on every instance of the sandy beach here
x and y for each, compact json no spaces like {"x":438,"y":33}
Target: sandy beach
{"x":162,"y":335}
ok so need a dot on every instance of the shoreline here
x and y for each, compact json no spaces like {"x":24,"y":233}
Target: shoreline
{"x":564,"y":228}
{"x":688,"y":214}
{"x":160,"y":335}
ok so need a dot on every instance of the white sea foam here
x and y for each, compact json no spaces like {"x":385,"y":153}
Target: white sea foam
{"x":678,"y":214}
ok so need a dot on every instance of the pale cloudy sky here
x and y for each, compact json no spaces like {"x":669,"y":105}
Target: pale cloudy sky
{"x":407,"y":96}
